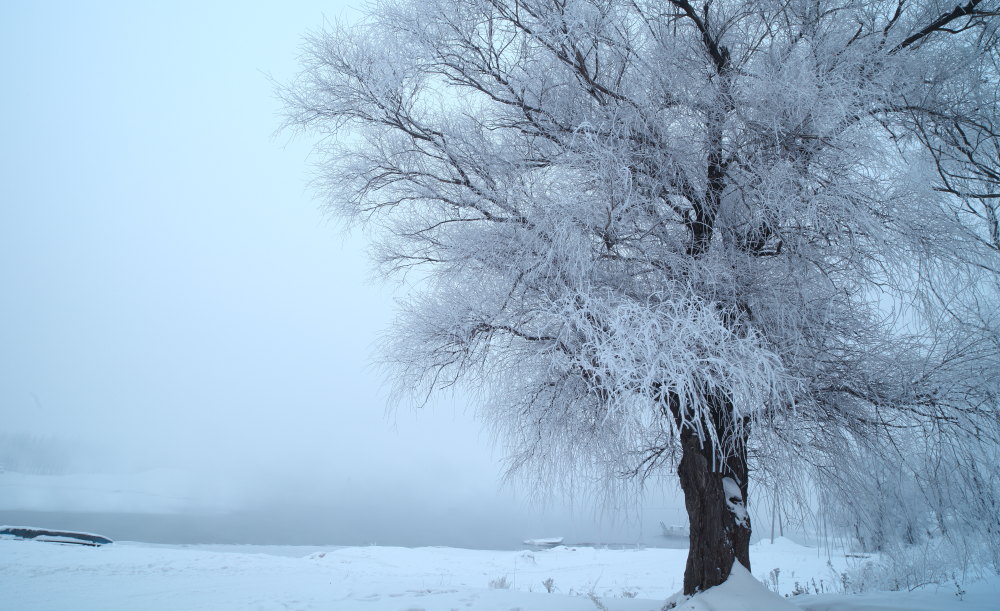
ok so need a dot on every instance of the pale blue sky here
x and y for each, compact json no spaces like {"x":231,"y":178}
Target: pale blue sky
{"x":166,"y":271}
{"x":171,"y":291}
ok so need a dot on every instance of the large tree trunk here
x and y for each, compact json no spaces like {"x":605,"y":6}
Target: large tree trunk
{"x":719,"y":522}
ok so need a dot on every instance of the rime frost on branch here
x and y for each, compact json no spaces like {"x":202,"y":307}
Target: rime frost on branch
{"x":770,"y":224}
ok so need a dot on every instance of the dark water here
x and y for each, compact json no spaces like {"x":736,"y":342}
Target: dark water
{"x":317,"y":527}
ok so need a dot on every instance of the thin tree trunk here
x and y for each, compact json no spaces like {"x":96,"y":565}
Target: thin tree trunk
{"x":719,"y":522}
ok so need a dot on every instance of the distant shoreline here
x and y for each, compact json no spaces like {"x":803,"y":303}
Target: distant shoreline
{"x":264,"y":528}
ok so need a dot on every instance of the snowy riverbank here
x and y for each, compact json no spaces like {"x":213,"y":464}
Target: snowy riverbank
{"x":38,"y":576}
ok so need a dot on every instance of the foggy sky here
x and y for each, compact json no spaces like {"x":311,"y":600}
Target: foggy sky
{"x":174,"y":297}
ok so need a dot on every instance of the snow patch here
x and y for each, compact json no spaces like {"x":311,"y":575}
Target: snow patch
{"x":740,"y":592}
{"x":734,"y":501}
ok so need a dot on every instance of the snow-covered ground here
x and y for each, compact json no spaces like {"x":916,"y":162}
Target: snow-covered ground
{"x":120,"y":576}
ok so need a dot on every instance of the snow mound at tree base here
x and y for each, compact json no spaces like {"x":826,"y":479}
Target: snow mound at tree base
{"x":741,"y":592}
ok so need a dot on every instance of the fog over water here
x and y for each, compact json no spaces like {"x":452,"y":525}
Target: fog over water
{"x":187,"y":340}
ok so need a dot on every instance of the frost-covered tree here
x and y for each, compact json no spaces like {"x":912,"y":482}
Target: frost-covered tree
{"x":731,"y":237}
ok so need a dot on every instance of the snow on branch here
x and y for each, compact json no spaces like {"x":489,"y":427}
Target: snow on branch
{"x":634,"y":221}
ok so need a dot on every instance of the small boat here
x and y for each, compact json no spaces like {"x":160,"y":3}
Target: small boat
{"x":52,"y":536}
{"x":548,"y":542}
{"x":675,"y":531}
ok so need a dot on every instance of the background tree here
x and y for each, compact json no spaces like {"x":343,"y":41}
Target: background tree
{"x":730,"y":237}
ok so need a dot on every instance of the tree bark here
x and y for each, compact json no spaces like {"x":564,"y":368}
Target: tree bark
{"x":719,"y":522}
